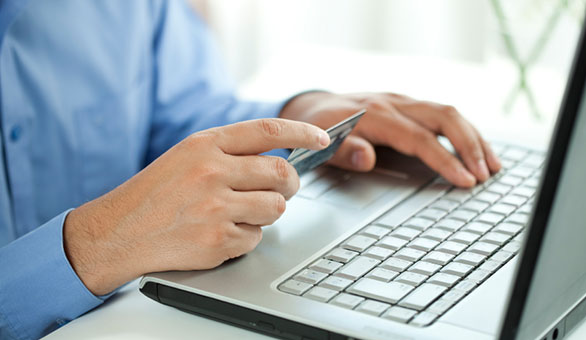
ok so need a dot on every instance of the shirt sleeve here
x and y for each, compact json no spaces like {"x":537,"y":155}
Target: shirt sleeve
{"x":192,"y":91}
{"x":39,"y":290}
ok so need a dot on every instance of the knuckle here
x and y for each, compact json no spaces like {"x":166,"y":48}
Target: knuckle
{"x":199,"y":139}
{"x":449,"y":112}
{"x":282,"y":168}
{"x":217,"y":237}
{"x":271,"y":127}
{"x":373,"y":104}
{"x":280,"y":204}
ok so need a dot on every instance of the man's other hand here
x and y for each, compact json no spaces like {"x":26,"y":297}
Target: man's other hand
{"x":199,"y":204}
{"x":409,"y":126}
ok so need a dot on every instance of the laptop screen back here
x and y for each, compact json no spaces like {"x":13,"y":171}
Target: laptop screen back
{"x":551,"y":277}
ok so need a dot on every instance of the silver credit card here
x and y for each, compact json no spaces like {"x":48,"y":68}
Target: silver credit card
{"x":305,"y":160}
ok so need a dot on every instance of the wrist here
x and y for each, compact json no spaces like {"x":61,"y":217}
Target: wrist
{"x":298,"y":106}
{"x":95,"y":251}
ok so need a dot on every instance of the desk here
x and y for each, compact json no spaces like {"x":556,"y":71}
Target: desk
{"x":473,"y":89}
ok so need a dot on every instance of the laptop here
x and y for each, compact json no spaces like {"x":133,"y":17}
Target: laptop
{"x":398,"y":253}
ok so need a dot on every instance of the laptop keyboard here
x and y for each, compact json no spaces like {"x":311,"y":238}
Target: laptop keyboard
{"x":415,"y":271}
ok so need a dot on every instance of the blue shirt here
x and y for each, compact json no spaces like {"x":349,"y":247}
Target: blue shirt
{"x":90,"y":93}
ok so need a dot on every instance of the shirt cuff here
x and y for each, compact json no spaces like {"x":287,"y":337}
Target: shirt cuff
{"x":39,"y":290}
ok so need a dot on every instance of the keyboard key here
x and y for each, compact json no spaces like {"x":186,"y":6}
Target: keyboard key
{"x":449,"y":224}
{"x":405,"y":233}
{"x":464,"y":237}
{"x":357,"y":267}
{"x":457,"y":268}
{"x":341,"y":255}
{"x":502,"y":256}
{"x":532,"y":183}
{"x":423,"y":244}
{"x":523,"y":191}
{"x":399,"y":314}
{"x":533,"y":160}
{"x":411,"y":278}
{"x":512,"y":247}
{"x":458,"y":195}
{"x":451,"y":247}
{"x":477,"y":227}
{"x":510,"y":180}
{"x":490,"y":218}
{"x":336,"y":283}
{"x":503,"y":209}
{"x":409,"y":254}
{"x":490,"y":266}
{"x":436,"y":234}
{"x":390,"y":292}
{"x":444,"y":279}
{"x":391,"y":242}
{"x":478,"y":276}
{"x":514,"y":154}
{"x":483,"y":248}
{"x":465,"y":286}
{"x":496,"y":238}
{"x":320,"y":294}
{"x":423,"y":319}
{"x":418,"y":223}
{"x":499,"y":188}
{"x":378,"y":253}
{"x":438,"y":257}
{"x":396,"y":264}
{"x":462,"y":215}
{"x":440,"y":306}
{"x":518,"y":218}
{"x":432,"y":214}
{"x":526,"y":209}
{"x":325,"y":266}
{"x":507,"y":164}
{"x":382,"y":274}
{"x":359,"y":243}
{"x":488,"y":197}
{"x":422,"y":296}
{"x":375,"y":231}
{"x":454,"y":295}
{"x":346,"y":300}
{"x":521,"y":171}
{"x":475,"y":205}
{"x":294,"y":287}
{"x":445,"y":205}
{"x":372,"y":307}
{"x":310,"y":276}
{"x":514,"y":200}
{"x":425,"y":268}
{"x":469,"y":258}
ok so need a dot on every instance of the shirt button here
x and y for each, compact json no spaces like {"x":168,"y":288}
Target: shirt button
{"x":15,"y":133}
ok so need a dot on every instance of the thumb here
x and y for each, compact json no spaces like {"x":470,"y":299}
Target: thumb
{"x":355,"y":154}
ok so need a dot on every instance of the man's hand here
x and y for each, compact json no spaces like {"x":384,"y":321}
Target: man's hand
{"x":199,"y":204}
{"x":407,"y":125}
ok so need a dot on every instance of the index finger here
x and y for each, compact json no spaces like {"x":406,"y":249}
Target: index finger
{"x":261,"y":135}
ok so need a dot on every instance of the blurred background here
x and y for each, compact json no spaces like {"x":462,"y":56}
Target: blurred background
{"x":500,"y":62}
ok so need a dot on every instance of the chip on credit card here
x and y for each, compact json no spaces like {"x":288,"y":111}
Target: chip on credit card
{"x":305,"y":160}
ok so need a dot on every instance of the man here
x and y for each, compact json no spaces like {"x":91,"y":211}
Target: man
{"x":101,"y":104}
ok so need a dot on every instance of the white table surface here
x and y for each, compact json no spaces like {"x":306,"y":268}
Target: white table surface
{"x":476,"y":90}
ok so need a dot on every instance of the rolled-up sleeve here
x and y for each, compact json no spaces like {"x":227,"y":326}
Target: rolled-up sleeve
{"x":39,"y":290}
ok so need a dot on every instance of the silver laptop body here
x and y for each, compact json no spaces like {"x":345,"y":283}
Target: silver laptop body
{"x":400,"y":254}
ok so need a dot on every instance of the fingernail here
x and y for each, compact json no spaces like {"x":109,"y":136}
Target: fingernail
{"x":482,"y":169}
{"x":496,"y":160}
{"x":357,"y":158}
{"x":467,"y":176}
{"x":324,"y":138}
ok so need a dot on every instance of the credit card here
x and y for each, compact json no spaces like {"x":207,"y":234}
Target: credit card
{"x":305,"y":160}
